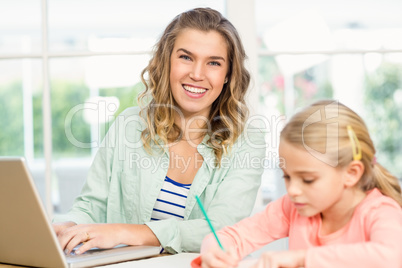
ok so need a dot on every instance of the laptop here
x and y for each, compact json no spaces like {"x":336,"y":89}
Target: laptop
{"x":26,"y":234}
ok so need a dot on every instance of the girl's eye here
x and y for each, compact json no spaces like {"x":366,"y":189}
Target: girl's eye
{"x":215,"y":63}
{"x":286,"y":177}
{"x":308,"y":181}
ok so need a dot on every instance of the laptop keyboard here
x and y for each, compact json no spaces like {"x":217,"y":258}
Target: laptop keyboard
{"x":91,"y":252}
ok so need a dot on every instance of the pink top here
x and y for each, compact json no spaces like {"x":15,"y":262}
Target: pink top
{"x":372,"y":238}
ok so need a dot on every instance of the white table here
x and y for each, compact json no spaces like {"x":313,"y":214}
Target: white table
{"x":170,"y":261}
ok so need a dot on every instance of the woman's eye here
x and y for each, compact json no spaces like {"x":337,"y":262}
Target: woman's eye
{"x":215,"y":63}
{"x":286,"y":177}
{"x":308,"y":181}
{"x":185,"y":57}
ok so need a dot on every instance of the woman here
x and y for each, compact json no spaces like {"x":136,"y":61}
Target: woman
{"x":189,"y":139}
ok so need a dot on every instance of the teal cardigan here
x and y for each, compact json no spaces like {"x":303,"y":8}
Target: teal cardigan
{"x":124,"y":182}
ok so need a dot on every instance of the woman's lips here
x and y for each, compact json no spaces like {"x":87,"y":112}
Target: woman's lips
{"x":194,"y":92}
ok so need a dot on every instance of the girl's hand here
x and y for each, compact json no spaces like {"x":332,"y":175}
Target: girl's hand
{"x":281,"y":259}
{"x":216,"y":257}
{"x":105,"y":236}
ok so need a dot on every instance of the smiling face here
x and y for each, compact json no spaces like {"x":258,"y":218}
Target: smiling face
{"x":312,"y":185}
{"x":198,"y":68}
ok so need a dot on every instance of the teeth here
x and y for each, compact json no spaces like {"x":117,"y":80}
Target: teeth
{"x":195,"y":89}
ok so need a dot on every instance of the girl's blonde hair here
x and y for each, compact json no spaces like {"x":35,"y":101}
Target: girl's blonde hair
{"x":228,"y":113}
{"x":322,"y":129}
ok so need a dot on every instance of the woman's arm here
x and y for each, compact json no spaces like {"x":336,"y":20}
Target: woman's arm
{"x":105,"y":236}
{"x":91,"y":205}
{"x":89,"y":213}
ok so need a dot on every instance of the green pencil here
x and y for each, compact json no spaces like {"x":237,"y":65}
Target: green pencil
{"x":209,"y":222}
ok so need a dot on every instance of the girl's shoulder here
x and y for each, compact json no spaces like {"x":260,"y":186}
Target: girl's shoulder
{"x":375,"y":200}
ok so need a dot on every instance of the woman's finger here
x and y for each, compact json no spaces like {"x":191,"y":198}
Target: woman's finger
{"x":80,"y":237}
{"x":86,"y":246}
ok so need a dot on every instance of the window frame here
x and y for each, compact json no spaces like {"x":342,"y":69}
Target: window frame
{"x":238,"y":12}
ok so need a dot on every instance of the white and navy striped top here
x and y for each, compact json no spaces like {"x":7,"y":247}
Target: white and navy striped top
{"x":171,"y":200}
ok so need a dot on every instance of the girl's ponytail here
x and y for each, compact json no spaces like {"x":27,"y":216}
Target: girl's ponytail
{"x":387,"y":183}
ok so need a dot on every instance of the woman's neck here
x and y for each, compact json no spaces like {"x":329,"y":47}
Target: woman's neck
{"x":193,"y":127}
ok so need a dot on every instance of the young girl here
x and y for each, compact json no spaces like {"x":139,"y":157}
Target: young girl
{"x":186,"y":141}
{"x":342,"y":208}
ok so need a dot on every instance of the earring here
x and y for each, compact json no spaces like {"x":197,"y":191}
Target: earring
{"x":226,"y":80}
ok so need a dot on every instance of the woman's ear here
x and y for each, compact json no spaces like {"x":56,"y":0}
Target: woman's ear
{"x":353,"y":173}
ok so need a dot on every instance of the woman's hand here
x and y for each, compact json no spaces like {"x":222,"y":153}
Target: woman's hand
{"x":216,"y":257}
{"x":59,"y":227}
{"x":282,"y":259}
{"x":105,"y":236}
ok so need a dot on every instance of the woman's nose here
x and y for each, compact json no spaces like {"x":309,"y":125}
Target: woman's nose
{"x":197,"y":72}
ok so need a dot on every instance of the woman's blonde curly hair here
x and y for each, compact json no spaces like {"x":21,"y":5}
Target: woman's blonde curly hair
{"x":228,"y":112}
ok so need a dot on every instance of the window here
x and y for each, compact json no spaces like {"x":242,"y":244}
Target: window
{"x":86,"y":58}
{"x":351,"y":52}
